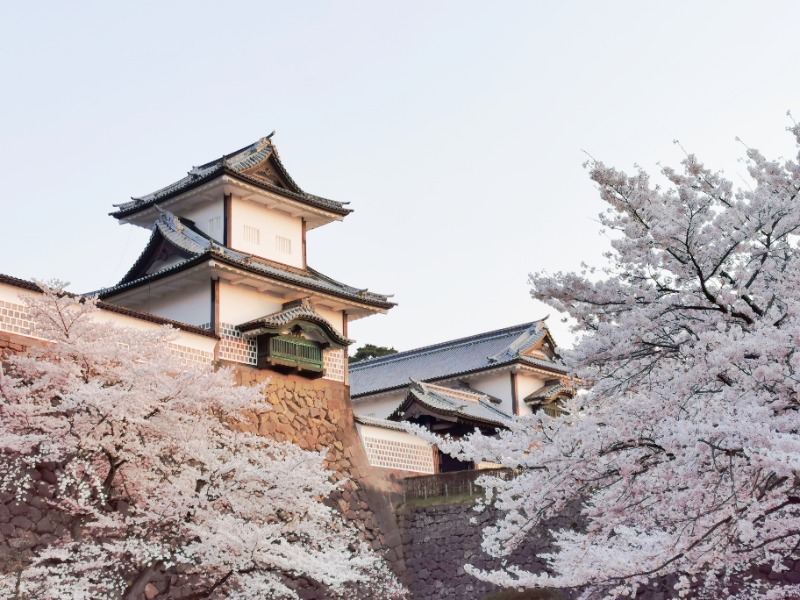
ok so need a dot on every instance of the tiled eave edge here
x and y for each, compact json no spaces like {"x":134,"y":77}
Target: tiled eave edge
{"x":458,"y":416}
{"x":425,"y":350}
{"x":222,"y":262}
{"x":380,"y":423}
{"x":451,"y":376}
{"x":216,"y":260}
{"x":121,"y":310}
{"x":306,"y":200}
{"x":258,"y":326}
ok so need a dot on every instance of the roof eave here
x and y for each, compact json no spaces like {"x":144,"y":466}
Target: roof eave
{"x":213,"y":256}
{"x":439,"y":378}
{"x":125,"y":214}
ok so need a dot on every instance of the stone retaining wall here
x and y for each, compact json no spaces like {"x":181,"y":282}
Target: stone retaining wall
{"x":317,"y":415}
{"x":439,"y":540}
{"x":314,"y":414}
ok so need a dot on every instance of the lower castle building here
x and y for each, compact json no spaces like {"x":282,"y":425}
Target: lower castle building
{"x":480,"y":383}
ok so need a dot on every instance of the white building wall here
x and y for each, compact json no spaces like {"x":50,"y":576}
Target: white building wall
{"x":208,"y":218}
{"x":239,"y":303}
{"x":267,"y":233}
{"x":193,"y":348}
{"x":495,"y":384}
{"x":527,"y":384}
{"x":381,"y":406}
{"x":334,"y":317}
{"x":192,"y":305}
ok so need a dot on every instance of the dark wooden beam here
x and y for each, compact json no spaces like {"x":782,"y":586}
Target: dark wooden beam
{"x":514,"y":396}
{"x":226,"y":218}
{"x":215,"y":306}
{"x":304,"y":245}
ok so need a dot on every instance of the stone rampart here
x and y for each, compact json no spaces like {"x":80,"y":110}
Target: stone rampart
{"x":439,"y":539}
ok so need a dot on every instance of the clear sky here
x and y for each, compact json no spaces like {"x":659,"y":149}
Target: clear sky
{"x":456,"y":130}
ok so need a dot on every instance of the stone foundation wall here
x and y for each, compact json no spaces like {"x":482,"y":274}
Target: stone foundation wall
{"x":439,"y":540}
{"x":316,"y":414}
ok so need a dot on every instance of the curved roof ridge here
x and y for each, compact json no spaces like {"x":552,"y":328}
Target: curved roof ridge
{"x":236,"y":164}
{"x":441,"y":346}
{"x":286,"y":316}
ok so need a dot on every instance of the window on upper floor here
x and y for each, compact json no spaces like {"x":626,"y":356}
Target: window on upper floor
{"x":214,"y":226}
{"x":252,"y":235}
{"x":283,"y":244}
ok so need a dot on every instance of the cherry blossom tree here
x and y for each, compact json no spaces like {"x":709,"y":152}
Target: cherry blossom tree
{"x":682,"y":456}
{"x":156,"y":475}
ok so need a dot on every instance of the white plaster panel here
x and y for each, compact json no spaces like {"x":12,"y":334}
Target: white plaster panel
{"x":269,"y":223}
{"x":334,"y":317}
{"x":496,"y":384}
{"x":13,"y":294}
{"x":165,"y":264}
{"x":202,"y":215}
{"x":239,"y":303}
{"x":379,"y":406}
{"x":527,"y":384}
{"x":191,"y":305}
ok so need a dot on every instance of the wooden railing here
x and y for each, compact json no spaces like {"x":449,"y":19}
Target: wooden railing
{"x":292,"y":352}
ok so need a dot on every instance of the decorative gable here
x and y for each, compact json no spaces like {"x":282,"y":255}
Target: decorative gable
{"x":544,"y":348}
{"x":267,"y":172}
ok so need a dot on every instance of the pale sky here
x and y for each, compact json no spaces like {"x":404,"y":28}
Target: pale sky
{"x":456,"y":130}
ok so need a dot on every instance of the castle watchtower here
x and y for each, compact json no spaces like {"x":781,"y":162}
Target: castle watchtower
{"x":228,"y":253}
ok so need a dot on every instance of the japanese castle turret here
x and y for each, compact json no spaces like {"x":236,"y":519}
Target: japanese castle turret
{"x":228,"y":253}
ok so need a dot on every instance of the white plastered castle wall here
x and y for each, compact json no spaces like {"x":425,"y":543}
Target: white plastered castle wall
{"x":239,"y":303}
{"x":192,"y":305}
{"x":268,"y":233}
{"x":527,"y":384}
{"x":497,"y":384}
{"x":192,"y":347}
{"x":334,"y":317}
{"x":379,"y":406}
{"x":208,"y":218}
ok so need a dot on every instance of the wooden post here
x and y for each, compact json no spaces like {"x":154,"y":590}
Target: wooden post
{"x":226,"y":220}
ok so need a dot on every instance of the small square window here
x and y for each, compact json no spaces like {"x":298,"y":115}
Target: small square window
{"x":283,"y":244}
{"x":252,"y":235}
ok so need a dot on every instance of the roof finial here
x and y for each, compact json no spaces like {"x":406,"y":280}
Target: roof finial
{"x":264,"y":142}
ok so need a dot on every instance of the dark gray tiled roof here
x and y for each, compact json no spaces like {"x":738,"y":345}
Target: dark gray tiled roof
{"x":549,"y":392}
{"x":465,"y":355}
{"x":382,"y":423}
{"x":456,"y":403}
{"x":234,"y":164}
{"x":200,"y":247}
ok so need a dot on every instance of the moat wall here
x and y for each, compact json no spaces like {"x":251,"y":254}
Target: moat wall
{"x":439,"y":539}
{"x":314,"y":414}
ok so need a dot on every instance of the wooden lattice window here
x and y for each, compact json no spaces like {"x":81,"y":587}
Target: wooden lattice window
{"x":290,"y":351}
